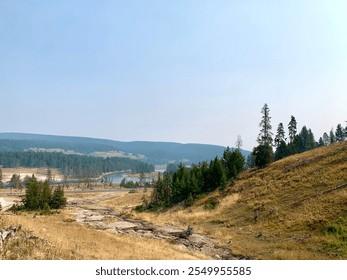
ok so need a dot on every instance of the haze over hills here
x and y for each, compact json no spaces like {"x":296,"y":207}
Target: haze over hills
{"x":152,"y":152}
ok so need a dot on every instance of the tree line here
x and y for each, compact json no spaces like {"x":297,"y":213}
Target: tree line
{"x":186,"y":183}
{"x":73,"y":166}
{"x":296,"y":142}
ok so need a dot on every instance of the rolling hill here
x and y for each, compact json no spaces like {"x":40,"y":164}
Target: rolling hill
{"x":296,"y":208}
{"x":152,"y":152}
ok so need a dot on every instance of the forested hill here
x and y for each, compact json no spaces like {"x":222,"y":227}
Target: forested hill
{"x":154,"y":152}
{"x":73,"y":166}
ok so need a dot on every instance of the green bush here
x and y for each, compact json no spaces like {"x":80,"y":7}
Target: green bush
{"x":211,"y":204}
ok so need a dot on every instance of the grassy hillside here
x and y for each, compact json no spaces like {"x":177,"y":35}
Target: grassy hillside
{"x":296,"y":208}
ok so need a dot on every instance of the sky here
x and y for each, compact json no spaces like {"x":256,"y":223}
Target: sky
{"x":188,"y":71}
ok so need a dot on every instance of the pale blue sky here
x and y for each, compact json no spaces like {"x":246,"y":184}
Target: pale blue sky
{"x":184,"y":71}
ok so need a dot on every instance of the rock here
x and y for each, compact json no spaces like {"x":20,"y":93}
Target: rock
{"x":123,"y":225}
{"x":7,"y":234}
{"x":4,"y":234}
{"x":94,"y":218}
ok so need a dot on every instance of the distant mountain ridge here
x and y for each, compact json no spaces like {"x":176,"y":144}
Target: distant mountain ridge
{"x":153,"y":152}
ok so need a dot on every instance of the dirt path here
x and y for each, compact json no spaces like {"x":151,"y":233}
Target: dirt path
{"x":88,"y":212}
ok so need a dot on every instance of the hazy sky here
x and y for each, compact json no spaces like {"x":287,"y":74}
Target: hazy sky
{"x":185,"y":71}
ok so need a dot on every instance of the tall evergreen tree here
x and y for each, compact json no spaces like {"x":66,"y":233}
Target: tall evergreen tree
{"x":263,"y":153}
{"x":292,"y":130}
{"x":332,"y":136}
{"x":339,"y":133}
{"x":280,"y":135}
{"x":265,"y":135}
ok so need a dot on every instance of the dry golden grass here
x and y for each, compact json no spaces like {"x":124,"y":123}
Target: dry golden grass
{"x":59,"y":238}
{"x":285,"y":211}
{"x":280,"y":212}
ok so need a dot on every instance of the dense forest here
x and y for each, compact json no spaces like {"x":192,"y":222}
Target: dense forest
{"x":187,"y":183}
{"x":154,"y":152}
{"x":73,"y":166}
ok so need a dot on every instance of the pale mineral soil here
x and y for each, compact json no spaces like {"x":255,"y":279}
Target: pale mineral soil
{"x":40,"y":173}
{"x":100,"y":225}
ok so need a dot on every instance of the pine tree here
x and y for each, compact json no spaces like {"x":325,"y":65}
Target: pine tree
{"x":326,"y":139}
{"x":250,"y":162}
{"x":292,"y":129}
{"x":280,"y":136}
{"x":46,"y":195}
{"x":32,"y":194}
{"x":332,"y":136}
{"x":282,"y":150}
{"x":58,"y":200}
{"x":265,"y":135}
{"x":233,"y":162}
{"x":263,"y":153}
{"x":339,"y":133}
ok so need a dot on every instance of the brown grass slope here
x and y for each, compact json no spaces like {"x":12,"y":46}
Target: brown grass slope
{"x":296,"y":208}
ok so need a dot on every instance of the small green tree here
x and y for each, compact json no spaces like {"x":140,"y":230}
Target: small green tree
{"x":250,"y":162}
{"x":58,"y":200}
{"x":46,"y":195}
{"x":263,"y":155}
{"x":32,"y":194}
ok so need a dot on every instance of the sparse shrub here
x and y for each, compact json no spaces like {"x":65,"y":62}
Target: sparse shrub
{"x":15,"y":208}
{"x":189,"y":201}
{"x":140,"y":208}
{"x":211,"y":204}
